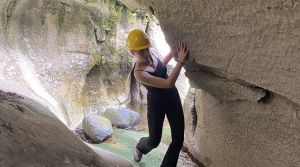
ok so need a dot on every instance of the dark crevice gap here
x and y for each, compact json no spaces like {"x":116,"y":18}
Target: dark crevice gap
{"x":282,"y":5}
{"x":151,"y":10}
{"x":6,"y":125}
{"x":193,"y":66}
{"x":267,"y":98}
{"x":194,"y":112}
{"x":195,"y":160}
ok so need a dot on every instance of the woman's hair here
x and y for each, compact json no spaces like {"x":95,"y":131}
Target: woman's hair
{"x":135,"y":92}
{"x":149,"y":59}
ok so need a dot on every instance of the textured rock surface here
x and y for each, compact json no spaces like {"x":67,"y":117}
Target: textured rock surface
{"x":122,"y":117}
{"x":246,"y":55}
{"x":243,"y":133}
{"x":31,"y":136}
{"x":224,"y":89}
{"x":97,"y":127}
{"x":53,"y":48}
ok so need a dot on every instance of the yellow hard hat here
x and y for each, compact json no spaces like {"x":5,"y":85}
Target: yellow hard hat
{"x":137,"y":40}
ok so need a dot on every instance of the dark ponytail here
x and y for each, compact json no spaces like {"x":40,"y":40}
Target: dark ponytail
{"x":149,"y":57}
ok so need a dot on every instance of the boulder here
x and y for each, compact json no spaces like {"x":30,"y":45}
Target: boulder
{"x":122,"y":117}
{"x":97,"y":127}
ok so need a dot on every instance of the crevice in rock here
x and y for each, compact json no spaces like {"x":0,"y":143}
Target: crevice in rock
{"x":64,"y":3}
{"x":79,"y":52}
{"x":6,"y":125}
{"x":216,"y":74}
{"x":221,"y":87}
{"x":267,"y":98}
{"x":193,"y":66}
{"x":194,"y":111}
{"x":17,"y":107}
{"x":147,"y":26}
{"x":8,"y":96}
{"x":151,"y":10}
{"x":282,"y":5}
{"x":195,"y":160}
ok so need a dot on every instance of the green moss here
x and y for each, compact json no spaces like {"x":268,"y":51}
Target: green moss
{"x":97,"y":59}
{"x":112,"y":50}
{"x":70,"y":16}
{"x":91,"y":1}
{"x":119,"y":9}
{"x":61,"y":18}
{"x":6,"y":20}
{"x":9,"y":7}
{"x":92,"y":99}
{"x":129,"y":14}
{"x":106,"y":22}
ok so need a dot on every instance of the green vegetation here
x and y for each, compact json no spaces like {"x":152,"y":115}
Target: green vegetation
{"x":61,"y":18}
{"x":6,"y":20}
{"x":97,"y":59}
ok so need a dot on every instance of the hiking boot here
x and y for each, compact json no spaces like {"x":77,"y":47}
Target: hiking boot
{"x":137,"y":155}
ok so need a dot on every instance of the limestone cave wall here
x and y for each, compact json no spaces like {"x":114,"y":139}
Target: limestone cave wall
{"x":243,"y":67}
{"x":53,"y":48}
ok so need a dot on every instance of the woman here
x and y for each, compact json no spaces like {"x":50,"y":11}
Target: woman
{"x":163,"y":98}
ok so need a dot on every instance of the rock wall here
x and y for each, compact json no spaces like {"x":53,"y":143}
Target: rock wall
{"x":242,"y":133}
{"x":244,"y":64}
{"x":52,"y":48}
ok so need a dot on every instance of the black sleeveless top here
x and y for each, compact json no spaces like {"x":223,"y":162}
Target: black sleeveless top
{"x":161,"y":72}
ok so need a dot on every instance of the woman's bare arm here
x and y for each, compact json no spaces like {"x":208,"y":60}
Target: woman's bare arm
{"x":165,"y":60}
{"x":147,"y":79}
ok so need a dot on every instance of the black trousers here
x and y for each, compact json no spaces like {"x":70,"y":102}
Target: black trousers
{"x":159,"y":105}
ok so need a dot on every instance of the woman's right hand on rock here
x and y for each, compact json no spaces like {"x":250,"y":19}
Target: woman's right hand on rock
{"x":182,"y":52}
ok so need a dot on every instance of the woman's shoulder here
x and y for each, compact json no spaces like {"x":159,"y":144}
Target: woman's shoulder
{"x":155,"y":52}
{"x":140,"y":66}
